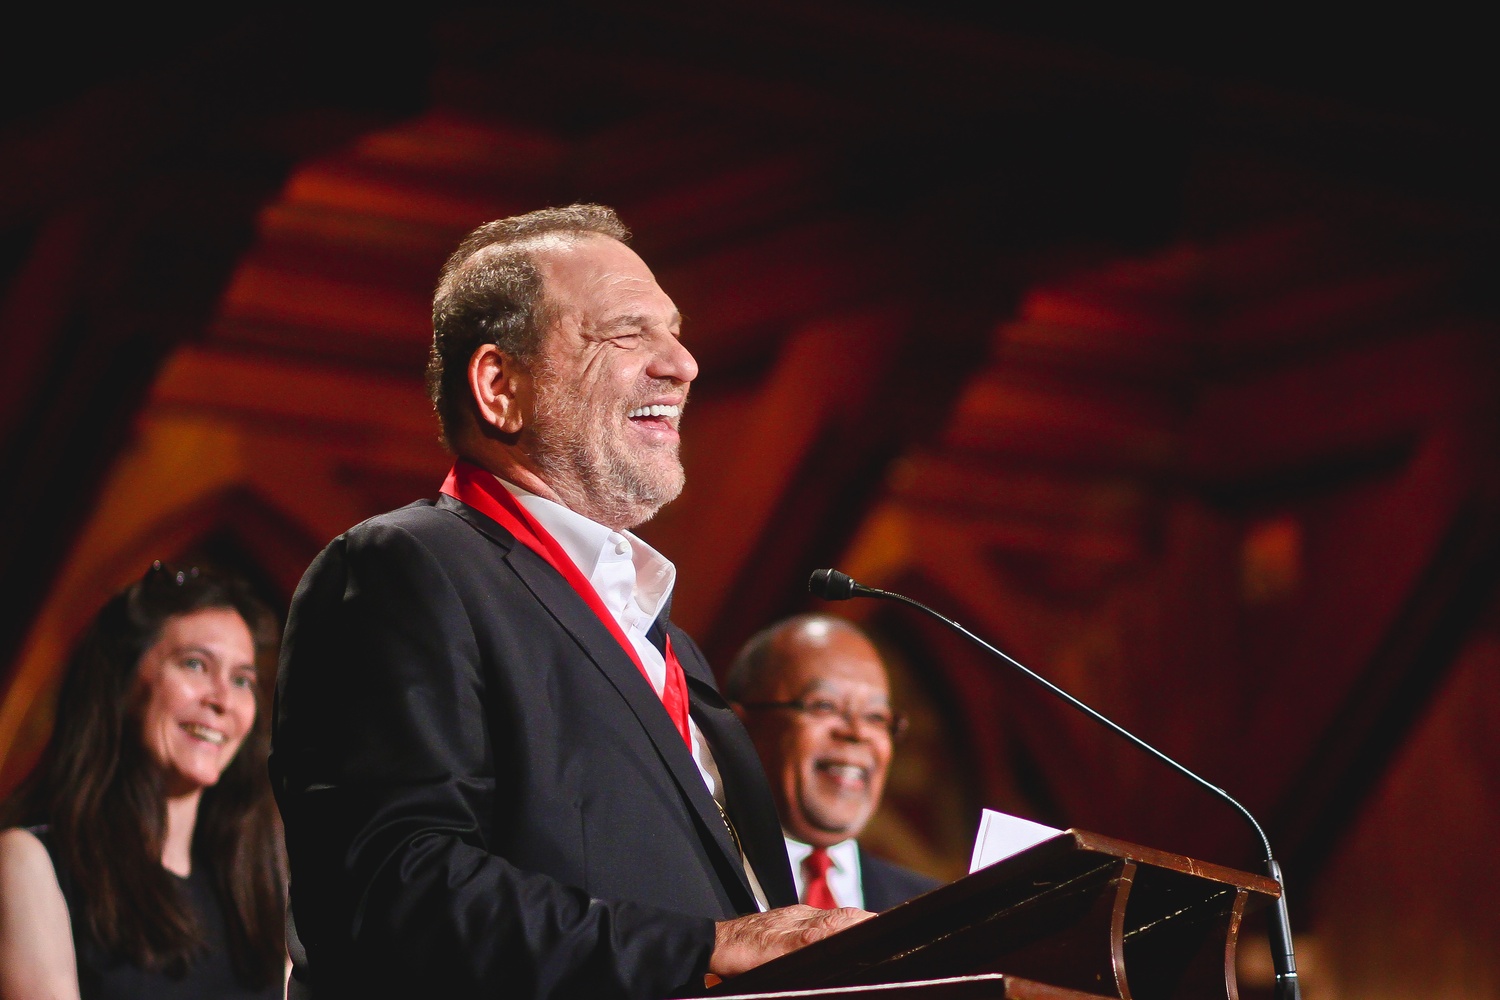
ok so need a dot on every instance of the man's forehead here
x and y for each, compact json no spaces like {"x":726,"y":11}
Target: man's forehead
{"x":826,"y":637}
{"x":840,"y":660}
{"x":604,"y":274}
{"x":587,"y":257}
{"x":823,"y":684}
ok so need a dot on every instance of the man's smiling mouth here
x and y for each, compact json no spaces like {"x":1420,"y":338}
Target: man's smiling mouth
{"x":844,"y":773}
{"x":655,"y":410}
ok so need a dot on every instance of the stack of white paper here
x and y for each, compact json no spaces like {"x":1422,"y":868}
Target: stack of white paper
{"x":1002,"y":835}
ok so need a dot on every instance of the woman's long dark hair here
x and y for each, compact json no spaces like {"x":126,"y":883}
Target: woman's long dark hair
{"x":104,"y":801}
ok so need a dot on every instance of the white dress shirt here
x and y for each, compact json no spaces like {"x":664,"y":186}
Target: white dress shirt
{"x":843,"y":875}
{"x":634,"y":581}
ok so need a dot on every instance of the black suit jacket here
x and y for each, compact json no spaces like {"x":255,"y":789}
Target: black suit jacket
{"x":481,"y":793}
{"x":886,"y":885}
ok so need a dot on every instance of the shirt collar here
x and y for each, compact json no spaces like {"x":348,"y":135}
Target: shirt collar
{"x":588,"y":542}
{"x":844,"y":854}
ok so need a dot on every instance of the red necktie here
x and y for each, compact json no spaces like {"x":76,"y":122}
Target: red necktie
{"x":815,"y":891}
{"x":483,"y":492}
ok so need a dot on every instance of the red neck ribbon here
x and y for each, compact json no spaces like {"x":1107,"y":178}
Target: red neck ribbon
{"x":482,"y":491}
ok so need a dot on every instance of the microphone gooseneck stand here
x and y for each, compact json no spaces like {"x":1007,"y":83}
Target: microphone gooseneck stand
{"x":831,"y":585}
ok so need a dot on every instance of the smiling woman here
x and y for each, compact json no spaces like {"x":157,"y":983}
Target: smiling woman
{"x":197,"y":687}
{"x":145,"y":859}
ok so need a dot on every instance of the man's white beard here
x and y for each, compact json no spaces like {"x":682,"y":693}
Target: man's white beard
{"x":572,"y":446}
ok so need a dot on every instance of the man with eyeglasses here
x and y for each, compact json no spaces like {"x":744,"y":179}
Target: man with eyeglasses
{"x":813,"y":693}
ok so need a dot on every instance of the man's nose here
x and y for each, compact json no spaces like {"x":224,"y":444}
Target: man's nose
{"x":674,"y":361}
{"x":851,"y":725}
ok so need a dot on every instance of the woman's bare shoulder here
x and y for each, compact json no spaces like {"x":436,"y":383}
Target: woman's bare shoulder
{"x":26,"y":869}
{"x":36,"y":938}
{"x":23,"y":850}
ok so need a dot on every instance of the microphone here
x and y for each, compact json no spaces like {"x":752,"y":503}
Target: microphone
{"x":831,"y":585}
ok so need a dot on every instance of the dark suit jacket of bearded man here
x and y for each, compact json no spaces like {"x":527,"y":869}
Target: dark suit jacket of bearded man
{"x":482,"y":794}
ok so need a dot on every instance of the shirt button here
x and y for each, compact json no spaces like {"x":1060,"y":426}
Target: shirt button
{"x":622,"y":547}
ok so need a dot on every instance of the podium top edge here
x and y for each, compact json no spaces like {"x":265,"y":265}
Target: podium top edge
{"x":1097,"y":842}
{"x":990,"y":984}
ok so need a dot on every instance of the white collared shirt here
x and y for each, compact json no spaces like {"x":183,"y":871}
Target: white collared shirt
{"x":630,"y":577}
{"x":635,"y":582}
{"x":843,"y":875}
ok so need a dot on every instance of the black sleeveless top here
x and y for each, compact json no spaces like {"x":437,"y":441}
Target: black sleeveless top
{"x":102,"y":976}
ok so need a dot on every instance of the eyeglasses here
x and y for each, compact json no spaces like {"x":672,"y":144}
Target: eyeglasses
{"x":160,"y":574}
{"x":893,"y":724}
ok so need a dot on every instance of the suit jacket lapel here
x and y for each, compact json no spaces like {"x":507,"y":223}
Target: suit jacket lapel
{"x":871,"y":884}
{"x":562,"y":602}
{"x":750,"y":805}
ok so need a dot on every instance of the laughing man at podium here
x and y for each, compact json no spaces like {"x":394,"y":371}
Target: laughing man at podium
{"x":502,"y":770}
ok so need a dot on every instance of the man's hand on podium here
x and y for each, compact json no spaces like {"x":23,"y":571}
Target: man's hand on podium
{"x":745,"y":942}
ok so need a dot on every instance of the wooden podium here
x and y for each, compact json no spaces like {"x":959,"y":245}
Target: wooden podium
{"x":1075,"y":916}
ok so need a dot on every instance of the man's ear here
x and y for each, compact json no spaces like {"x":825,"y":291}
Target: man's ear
{"x":500,"y":387}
